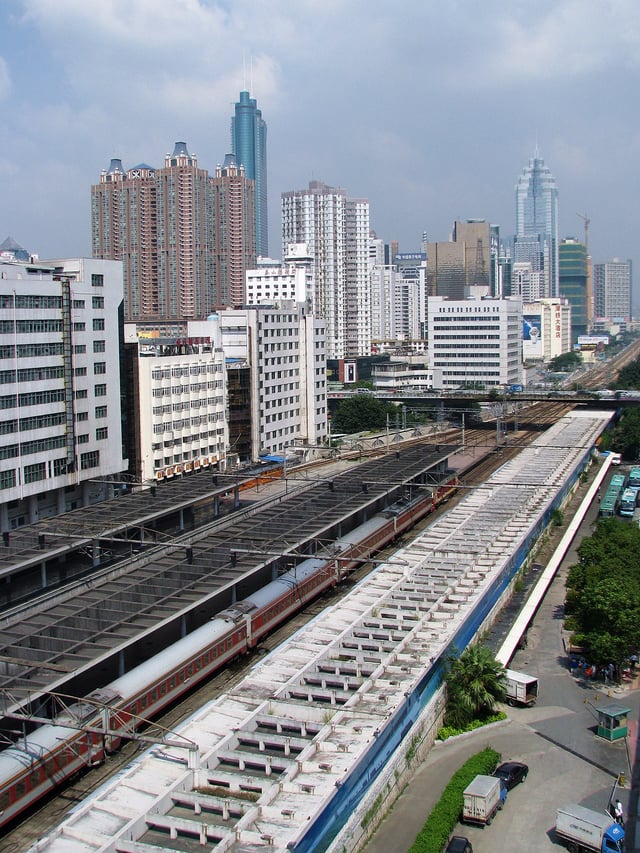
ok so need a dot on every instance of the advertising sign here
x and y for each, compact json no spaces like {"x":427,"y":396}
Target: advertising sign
{"x":532,"y":336}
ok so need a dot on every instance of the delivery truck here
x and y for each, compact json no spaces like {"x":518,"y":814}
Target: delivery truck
{"x":586,"y":831}
{"x":482,"y":798}
{"x":522,"y":689}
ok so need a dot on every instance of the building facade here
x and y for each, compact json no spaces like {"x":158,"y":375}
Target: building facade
{"x":179,"y":412}
{"x":546,"y":329}
{"x":475,"y":342}
{"x":282,"y":345}
{"x":574,"y":284}
{"x":60,"y":376}
{"x":336,"y":230}
{"x":291,"y":280}
{"x":234,"y":232}
{"x":469,"y":259}
{"x":158,"y":222}
{"x":249,"y":145}
{"x":184,"y":238}
{"x":612,"y":288}
{"x":536,"y":239}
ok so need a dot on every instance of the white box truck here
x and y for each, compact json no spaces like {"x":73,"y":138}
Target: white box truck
{"x":482,"y":798}
{"x":522,"y":689}
{"x":586,"y":831}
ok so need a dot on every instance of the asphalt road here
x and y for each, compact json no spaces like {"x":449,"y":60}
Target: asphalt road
{"x":567,"y":762}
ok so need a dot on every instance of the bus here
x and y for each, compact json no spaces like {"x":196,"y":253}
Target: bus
{"x":628,"y":502}
{"x":634,"y":478}
{"x":611,"y":499}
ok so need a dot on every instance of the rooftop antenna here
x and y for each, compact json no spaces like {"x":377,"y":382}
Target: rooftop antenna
{"x":244,"y":71}
{"x":251,"y":78}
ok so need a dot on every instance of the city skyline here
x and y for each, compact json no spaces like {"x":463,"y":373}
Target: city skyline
{"x":561,"y":80}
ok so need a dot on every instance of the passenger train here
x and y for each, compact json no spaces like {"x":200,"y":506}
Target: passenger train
{"x":38,"y":763}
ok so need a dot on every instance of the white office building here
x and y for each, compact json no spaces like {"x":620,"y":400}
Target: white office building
{"x":546,"y":329}
{"x":284,"y":347}
{"x":60,"y":424}
{"x":180,"y":410}
{"x":291,"y":280}
{"x":612,"y":287}
{"x":475,"y":342}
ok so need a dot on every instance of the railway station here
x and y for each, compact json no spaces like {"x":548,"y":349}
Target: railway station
{"x":98,"y":628}
{"x":294,"y":755}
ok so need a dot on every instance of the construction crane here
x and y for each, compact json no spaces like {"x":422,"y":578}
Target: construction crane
{"x":587,"y":222}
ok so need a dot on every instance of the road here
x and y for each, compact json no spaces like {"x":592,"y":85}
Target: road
{"x":567,"y":762}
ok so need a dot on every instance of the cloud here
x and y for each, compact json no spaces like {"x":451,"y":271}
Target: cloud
{"x":5,"y":80}
{"x":571,"y":39}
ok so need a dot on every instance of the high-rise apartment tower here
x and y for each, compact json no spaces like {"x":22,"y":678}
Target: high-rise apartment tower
{"x":336,"y":229}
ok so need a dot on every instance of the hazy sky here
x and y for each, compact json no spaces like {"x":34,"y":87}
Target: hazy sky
{"x":429,"y":109}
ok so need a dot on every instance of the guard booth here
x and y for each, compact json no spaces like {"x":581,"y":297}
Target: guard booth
{"x":612,"y":721}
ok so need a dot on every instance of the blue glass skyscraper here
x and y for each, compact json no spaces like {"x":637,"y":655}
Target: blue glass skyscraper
{"x":536,"y":240}
{"x":249,"y":144}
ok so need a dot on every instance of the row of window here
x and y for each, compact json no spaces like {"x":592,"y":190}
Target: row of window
{"x":178,"y":390}
{"x":37,"y":422}
{"x":29,"y":327}
{"x":189,"y":370}
{"x":10,"y":300}
{"x":184,"y":423}
{"x":31,"y":374}
{"x":190,"y":439}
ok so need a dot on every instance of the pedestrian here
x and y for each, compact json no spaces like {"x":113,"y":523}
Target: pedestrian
{"x":619,"y":813}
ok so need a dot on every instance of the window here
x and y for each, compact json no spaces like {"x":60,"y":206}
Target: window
{"x":99,"y":346}
{"x":82,"y":416}
{"x":100,"y":390}
{"x":79,"y":371}
{"x":7,"y":479}
{"x":98,"y":324}
{"x":100,"y":367}
{"x":81,"y":394}
{"x":79,"y":349}
{"x":97,"y":280}
{"x":102,"y":433}
{"x":89,"y":460}
{"x":79,"y":327}
{"x":97,"y":301}
{"x":101,"y":411}
{"x":33,"y":473}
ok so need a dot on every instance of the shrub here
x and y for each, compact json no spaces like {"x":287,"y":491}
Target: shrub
{"x":439,"y":825}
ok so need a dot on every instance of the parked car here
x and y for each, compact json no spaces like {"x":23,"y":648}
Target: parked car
{"x":459,"y":844}
{"x":511,"y":773}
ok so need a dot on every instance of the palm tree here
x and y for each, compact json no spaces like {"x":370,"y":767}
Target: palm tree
{"x":475,"y":683}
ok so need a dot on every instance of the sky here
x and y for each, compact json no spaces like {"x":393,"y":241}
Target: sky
{"x":428,"y":109}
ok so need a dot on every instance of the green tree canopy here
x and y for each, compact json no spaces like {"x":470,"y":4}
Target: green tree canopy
{"x":603,"y":593}
{"x":625,"y":437}
{"x":363,"y":412}
{"x":566,"y":361}
{"x":475,"y":682}
{"x":629,"y":375}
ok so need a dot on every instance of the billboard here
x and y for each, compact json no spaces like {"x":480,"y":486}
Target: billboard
{"x":532,"y":336}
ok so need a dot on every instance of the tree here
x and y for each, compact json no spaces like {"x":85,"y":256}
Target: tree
{"x":566,"y":361}
{"x":625,"y":437}
{"x":629,"y":375}
{"x":475,"y":683}
{"x":363,"y":412}
{"x":603,"y":593}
